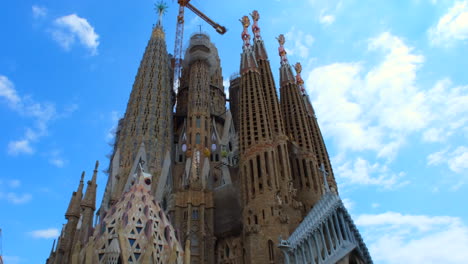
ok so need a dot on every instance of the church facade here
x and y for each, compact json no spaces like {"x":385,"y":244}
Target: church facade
{"x":191,"y":181}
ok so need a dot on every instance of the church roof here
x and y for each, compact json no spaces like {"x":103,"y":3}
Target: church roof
{"x":137,"y":228}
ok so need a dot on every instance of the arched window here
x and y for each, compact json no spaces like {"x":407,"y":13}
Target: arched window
{"x":197,"y":138}
{"x":271,"y":252}
{"x":227,"y":251}
{"x":198,"y":122}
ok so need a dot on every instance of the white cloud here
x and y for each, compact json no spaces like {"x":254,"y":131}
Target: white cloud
{"x":451,"y":27}
{"x":362,"y":172}
{"x":436,"y":157}
{"x":226,"y":84}
{"x":45,"y":233}
{"x":348,"y":203}
{"x":326,"y":19}
{"x":376,"y":109}
{"x":7,"y":193}
{"x":41,"y":113}
{"x":57,"y":162}
{"x":456,"y":160}
{"x":69,"y":28}
{"x":8,"y":92}
{"x":15,"y":183}
{"x":433,"y":135}
{"x":22,"y":146}
{"x":393,"y":237}
{"x":39,"y":11}
{"x":12,"y":259}
{"x":56,"y":158}
{"x":301,"y":43}
{"x":18,"y":198}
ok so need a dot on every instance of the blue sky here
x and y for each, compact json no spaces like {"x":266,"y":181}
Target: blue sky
{"x":387,"y":79}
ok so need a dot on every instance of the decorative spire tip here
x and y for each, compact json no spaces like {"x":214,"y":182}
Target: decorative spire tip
{"x":97,"y":165}
{"x":255,"y":28}
{"x":245,"y":34}
{"x":281,"y":50}
{"x":161,"y":8}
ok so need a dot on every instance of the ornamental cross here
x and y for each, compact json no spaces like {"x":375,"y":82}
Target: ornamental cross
{"x":325,"y":175}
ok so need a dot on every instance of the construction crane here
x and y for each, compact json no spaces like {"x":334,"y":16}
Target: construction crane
{"x":180,"y":36}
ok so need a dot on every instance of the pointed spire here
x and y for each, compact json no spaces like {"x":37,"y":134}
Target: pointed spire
{"x":74,"y":205}
{"x":89,"y":199}
{"x":245,"y":34}
{"x":53,"y":247}
{"x":286,"y":74}
{"x":299,"y":80}
{"x":281,"y":50}
{"x":255,"y":28}
{"x":300,"y":85}
{"x":248,"y":61}
{"x":161,"y":8}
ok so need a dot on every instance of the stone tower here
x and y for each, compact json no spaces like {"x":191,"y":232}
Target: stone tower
{"x":145,"y":132}
{"x":319,"y":144}
{"x":269,"y":205}
{"x":205,"y":148}
{"x":302,"y":152}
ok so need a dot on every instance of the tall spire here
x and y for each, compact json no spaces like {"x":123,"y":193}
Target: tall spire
{"x":255,"y":28}
{"x":318,"y":142}
{"x":74,"y":205}
{"x":147,"y":120}
{"x":248,"y":61}
{"x":245,"y":33}
{"x":89,"y":199}
{"x":286,"y":74}
{"x":281,"y":50}
{"x":303,"y":159}
{"x":264,"y":162}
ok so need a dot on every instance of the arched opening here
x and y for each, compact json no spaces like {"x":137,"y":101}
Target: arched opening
{"x":271,"y":251}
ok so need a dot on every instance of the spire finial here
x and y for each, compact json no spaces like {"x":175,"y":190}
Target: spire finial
{"x":255,"y":28}
{"x":245,"y":34}
{"x":82,"y":176}
{"x":161,"y":8}
{"x":324,"y":174}
{"x":282,"y":52}
{"x":299,"y":80}
{"x":96,"y":165}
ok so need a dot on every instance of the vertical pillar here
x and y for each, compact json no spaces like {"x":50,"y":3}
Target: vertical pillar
{"x":322,"y":237}
{"x":335,"y":218}
{"x":319,"y":256}
{"x":329,"y":238}
{"x":345,"y":231}
{"x":311,"y":250}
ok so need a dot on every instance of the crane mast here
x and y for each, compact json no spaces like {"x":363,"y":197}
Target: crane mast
{"x":180,"y":36}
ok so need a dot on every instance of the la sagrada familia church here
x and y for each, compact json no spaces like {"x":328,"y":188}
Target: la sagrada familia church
{"x":191,"y":181}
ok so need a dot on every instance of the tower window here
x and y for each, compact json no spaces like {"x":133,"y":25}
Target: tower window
{"x":195,"y":214}
{"x":271,"y":252}
{"x":197,"y":138}
{"x":198,"y":122}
